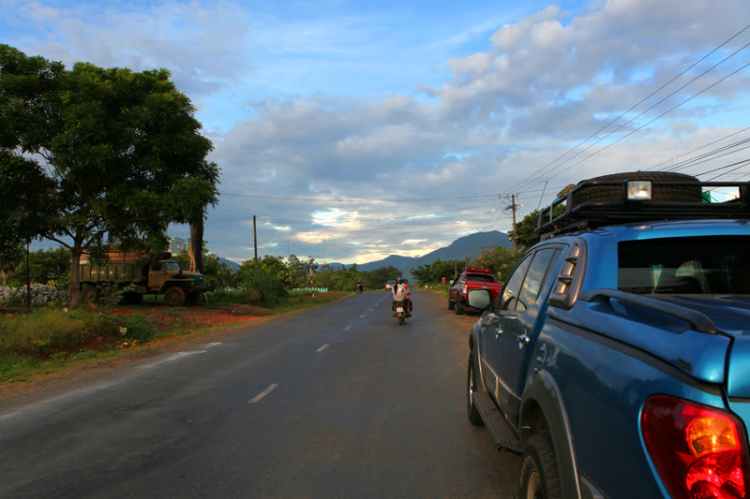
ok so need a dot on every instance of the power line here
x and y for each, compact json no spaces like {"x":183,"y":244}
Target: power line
{"x":542,"y":170}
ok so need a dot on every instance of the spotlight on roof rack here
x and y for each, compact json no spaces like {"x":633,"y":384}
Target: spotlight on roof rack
{"x":639,"y":190}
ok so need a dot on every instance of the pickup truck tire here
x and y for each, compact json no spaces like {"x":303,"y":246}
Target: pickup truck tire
{"x":471,"y":386}
{"x":174,"y":297}
{"x":451,"y":304}
{"x":89,"y":294}
{"x":539,"y":475}
{"x":459,"y":308}
{"x":613,"y":193}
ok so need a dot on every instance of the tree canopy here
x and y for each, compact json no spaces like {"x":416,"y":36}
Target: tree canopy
{"x":120,"y":150}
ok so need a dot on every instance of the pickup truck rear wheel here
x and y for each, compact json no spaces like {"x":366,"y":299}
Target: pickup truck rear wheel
{"x":539,"y":476}
{"x":174,"y":297}
{"x":451,"y":304}
{"x":471,"y":387}
{"x":459,"y":307}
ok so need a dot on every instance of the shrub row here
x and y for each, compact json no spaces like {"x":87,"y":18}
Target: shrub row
{"x":46,"y":331}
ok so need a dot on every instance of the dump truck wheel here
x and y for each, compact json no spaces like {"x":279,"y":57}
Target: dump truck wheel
{"x":174,"y":297}
{"x":90,"y":294}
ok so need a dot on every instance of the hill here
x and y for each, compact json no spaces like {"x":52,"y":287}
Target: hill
{"x":460,"y":249}
{"x":232,"y":265}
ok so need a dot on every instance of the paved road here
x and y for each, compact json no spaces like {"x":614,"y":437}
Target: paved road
{"x":338,"y":401}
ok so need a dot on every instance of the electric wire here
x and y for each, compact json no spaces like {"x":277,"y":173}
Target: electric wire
{"x":542,"y":170}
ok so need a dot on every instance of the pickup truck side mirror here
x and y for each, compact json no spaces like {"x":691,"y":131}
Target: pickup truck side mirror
{"x":479,"y":298}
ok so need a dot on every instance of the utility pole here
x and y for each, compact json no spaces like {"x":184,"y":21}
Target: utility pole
{"x":255,"y":238}
{"x":513,"y":206}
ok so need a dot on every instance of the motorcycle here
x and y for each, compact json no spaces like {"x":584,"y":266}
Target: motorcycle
{"x":360,"y":288}
{"x":401,"y":311}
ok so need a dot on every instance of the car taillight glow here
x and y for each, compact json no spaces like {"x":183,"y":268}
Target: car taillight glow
{"x":698,"y":450}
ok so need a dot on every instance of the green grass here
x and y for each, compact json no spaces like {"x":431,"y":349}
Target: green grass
{"x":47,"y":339}
{"x":440,"y":289}
{"x":295,"y":301}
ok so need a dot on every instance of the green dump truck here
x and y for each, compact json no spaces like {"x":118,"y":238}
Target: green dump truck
{"x":132,"y":274}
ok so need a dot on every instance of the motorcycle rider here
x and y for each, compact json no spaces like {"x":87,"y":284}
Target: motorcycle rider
{"x":360,"y":286}
{"x":401,"y":294}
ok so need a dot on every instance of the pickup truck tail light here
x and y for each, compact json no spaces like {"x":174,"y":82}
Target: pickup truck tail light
{"x":700,"y":452}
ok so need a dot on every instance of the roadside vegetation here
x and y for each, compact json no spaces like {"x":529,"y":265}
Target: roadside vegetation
{"x":50,"y":338}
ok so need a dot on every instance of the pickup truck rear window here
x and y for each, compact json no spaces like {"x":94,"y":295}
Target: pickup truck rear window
{"x":686,"y":265}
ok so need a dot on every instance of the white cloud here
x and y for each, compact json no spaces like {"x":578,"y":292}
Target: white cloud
{"x":310,"y":111}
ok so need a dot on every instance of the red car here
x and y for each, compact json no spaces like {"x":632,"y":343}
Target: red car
{"x":471,"y":278}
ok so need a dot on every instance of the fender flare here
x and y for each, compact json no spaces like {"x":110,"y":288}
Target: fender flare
{"x":544,"y":392}
{"x":476,"y":343}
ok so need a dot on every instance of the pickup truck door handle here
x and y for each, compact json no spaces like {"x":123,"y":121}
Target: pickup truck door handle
{"x":523,"y":340}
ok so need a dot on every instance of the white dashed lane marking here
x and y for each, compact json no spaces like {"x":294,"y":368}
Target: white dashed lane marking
{"x":262,"y":394}
{"x":322,"y":348}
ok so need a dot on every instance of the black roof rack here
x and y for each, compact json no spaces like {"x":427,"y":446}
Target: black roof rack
{"x":595,"y":203}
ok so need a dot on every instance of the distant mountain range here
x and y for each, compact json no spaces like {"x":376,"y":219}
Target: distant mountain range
{"x":462,"y":248}
{"x":232,"y":265}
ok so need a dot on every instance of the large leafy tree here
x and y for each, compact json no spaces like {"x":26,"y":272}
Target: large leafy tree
{"x":122,"y":149}
{"x":23,"y":194}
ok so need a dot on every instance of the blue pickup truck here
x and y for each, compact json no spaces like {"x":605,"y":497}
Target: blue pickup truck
{"x":616,"y":361}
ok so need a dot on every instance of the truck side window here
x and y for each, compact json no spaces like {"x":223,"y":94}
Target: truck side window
{"x":507,"y":300}
{"x":534,"y":278}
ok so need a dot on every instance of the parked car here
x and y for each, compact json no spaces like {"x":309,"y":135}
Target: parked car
{"x":616,"y":361}
{"x":471,"y":278}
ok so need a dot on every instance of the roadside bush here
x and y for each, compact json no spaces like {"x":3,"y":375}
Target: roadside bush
{"x":264,"y":287}
{"x":46,"y":331}
{"x":137,"y":327}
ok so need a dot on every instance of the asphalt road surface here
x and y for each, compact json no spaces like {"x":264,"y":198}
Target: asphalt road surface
{"x":337,"y":401}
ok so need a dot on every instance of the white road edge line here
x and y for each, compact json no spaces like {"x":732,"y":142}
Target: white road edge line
{"x":322,"y":348}
{"x":262,"y":394}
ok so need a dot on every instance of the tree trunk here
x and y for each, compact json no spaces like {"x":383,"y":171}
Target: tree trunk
{"x":196,"y":246}
{"x":75,"y":277}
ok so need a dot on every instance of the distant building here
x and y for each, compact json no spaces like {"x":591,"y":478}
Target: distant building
{"x":177,"y":245}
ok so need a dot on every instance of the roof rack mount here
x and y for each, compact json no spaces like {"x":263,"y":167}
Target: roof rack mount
{"x":595,"y":203}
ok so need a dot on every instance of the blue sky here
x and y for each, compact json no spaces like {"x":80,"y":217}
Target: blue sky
{"x":356,"y":130}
